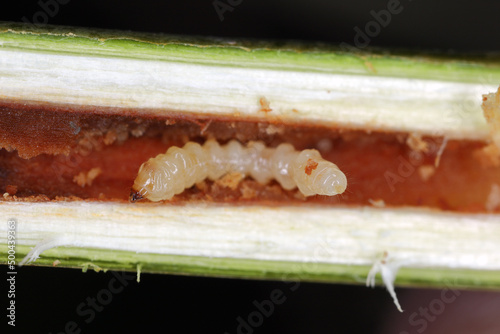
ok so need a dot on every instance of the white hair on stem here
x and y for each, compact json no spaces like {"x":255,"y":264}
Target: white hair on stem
{"x":388,"y":270}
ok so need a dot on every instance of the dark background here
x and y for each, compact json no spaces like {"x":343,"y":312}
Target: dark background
{"x":47,"y":298}
{"x":459,"y":25}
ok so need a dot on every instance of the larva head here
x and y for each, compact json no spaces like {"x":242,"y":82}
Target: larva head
{"x":134,"y":196}
{"x":158,"y":179}
{"x":142,"y":184}
{"x":150,"y":182}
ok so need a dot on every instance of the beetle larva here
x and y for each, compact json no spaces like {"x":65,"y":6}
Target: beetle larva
{"x":169,"y":174}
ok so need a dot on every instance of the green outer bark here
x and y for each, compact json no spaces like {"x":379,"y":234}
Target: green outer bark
{"x":101,"y":259}
{"x":64,"y":40}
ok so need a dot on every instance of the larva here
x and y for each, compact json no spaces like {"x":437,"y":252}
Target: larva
{"x":169,"y":174}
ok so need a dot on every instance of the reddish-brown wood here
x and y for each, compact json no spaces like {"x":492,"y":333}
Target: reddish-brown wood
{"x":50,"y":145}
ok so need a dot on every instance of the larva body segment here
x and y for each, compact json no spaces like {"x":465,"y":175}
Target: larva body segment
{"x":169,"y":174}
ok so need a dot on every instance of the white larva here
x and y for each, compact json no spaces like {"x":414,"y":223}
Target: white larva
{"x":168,"y":174}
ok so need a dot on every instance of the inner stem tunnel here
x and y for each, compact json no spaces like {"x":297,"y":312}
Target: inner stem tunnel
{"x":64,"y":153}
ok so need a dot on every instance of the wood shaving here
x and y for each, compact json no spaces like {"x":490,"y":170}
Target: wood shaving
{"x":248,"y":192}
{"x":11,"y":189}
{"x":416,"y":143}
{"x":377,"y":203}
{"x":85,"y":179}
{"x":273,"y":129}
{"x":264,"y":105}
{"x":488,"y":156}
{"x":437,"y":161}
{"x":230,"y":180}
{"x":110,"y":137}
{"x":491,"y":109}
{"x":426,"y":172}
{"x":493,"y":201}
